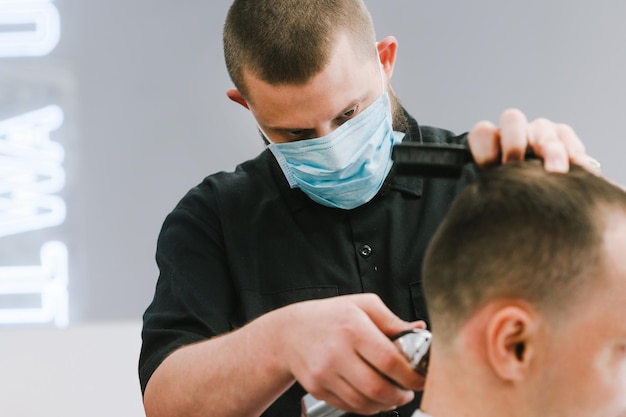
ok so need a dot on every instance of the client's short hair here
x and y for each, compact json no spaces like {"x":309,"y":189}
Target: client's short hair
{"x":518,"y":232}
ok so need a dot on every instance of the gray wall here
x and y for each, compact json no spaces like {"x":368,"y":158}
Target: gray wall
{"x":142,"y":86}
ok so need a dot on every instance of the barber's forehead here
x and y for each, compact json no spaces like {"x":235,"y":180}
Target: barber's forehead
{"x":345,"y":68}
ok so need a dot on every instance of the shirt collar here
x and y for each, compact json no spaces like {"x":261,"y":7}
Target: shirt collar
{"x":408,"y":184}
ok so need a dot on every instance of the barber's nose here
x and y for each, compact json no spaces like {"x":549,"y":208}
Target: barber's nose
{"x":324,"y":130}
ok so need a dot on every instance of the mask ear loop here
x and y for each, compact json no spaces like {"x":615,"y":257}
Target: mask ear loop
{"x":264,"y":136}
{"x":382,"y":72}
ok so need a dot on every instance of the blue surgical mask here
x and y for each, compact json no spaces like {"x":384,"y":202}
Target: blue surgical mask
{"x":346,"y":168}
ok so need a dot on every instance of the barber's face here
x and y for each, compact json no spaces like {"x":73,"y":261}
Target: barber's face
{"x":584,"y":371}
{"x":344,"y":88}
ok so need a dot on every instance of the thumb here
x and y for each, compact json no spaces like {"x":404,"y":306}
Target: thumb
{"x":383,"y":317}
{"x":419,"y":324}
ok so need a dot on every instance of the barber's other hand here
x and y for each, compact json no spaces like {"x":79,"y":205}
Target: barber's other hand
{"x":339,"y":350}
{"x":557,"y":144}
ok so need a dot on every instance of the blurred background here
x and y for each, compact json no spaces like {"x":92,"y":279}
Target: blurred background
{"x":111,"y":110}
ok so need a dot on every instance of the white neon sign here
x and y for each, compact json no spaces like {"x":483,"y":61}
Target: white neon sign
{"x":31,"y":172}
{"x":28,"y":27}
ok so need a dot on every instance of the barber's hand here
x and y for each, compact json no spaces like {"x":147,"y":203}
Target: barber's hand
{"x":339,"y":350}
{"x":557,"y":144}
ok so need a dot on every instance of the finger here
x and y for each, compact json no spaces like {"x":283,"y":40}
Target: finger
{"x":373,"y":343}
{"x":513,"y":135}
{"x":389,"y":361}
{"x":576,"y":149}
{"x":351,"y":397}
{"x":419,"y":324}
{"x":570,"y":139}
{"x":386,"y":359}
{"x":346,"y":398}
{"x":368,"y":388}
{"x":382,"y":317}
{"x":544,"y":140}
{"x":484,"y":143}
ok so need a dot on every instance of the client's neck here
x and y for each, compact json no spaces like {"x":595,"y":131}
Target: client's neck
{"x":457,"y":388}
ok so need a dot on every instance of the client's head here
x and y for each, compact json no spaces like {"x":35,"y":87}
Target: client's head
{"x":525,"y":282}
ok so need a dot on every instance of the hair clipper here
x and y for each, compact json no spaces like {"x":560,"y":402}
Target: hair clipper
{"x":414,"y":344}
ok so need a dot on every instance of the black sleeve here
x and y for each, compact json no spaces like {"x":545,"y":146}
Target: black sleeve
{"x":194,"y":297}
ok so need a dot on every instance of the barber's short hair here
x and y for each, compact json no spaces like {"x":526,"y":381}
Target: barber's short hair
{"x":290,"y":41}
{"x":518,"y":232}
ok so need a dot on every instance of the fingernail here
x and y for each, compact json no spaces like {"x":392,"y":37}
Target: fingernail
{"x":594,"y":164}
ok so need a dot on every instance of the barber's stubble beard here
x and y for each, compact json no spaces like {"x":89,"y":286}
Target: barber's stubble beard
{"x":399,"y":120}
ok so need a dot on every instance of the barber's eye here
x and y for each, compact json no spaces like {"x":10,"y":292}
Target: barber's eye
{"x":346,"y":116}
{"x":299,"y":134}
{"x":350,"y":112}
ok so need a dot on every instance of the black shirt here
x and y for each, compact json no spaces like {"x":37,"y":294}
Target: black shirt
{"x":243,"y":243}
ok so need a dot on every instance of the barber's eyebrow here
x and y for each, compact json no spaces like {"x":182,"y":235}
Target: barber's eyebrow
{"x":287,"y":129}
{"x":340,"y":114}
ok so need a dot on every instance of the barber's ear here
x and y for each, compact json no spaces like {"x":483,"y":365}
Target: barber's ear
{"x":236,"y":96}
{"x":511,"y":342}
{"x":387,"y":49}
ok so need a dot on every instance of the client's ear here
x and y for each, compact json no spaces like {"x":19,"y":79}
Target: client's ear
{"x":511,"y":341}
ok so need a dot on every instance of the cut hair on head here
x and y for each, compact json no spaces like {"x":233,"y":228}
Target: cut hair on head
{"x":518,"y":232}
{"x":290,"y":41}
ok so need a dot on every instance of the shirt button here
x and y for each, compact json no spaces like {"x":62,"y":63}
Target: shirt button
{"x":390,"y":414}
{"x":365,"y":251}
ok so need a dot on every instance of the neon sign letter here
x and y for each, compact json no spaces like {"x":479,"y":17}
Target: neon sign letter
{"x":48,"y":282}
{"x":30,"y":171}
{"x":28,"y":27}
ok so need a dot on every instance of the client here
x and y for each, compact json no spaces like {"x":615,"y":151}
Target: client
{"x":525,"y":283}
